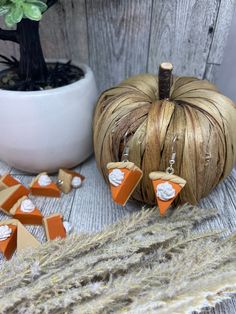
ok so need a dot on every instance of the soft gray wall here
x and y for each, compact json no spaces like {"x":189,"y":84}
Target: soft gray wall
{"x":122,"y":38}
{"x":225,"y":77}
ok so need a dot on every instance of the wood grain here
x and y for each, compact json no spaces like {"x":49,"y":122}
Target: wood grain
{"x":118,"y":38}
{"x":126,"y":37}
{"x":212,"y":72}
{"x":64,"y":31}
{"x":220,"y":31}
{"x":4,"y":168}
{"x":90,"y":209}
{"x":94,"y":194}
{"x":7,"y":48}
{"x":181,"y":33}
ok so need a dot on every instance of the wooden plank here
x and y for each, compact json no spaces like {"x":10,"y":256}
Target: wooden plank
{"x":47,"y":205}
{"x":211,"y":72}
{"x":226,"y":307}
{"x":64,"y":31}
{"x":93,"y":207}
{"x":4,"y":168}
{"x":223,"y":198}
{"x":182,"y":33}
{"x":7,"y":48}
{"x":90,"y":209}
{"x":221,"y":31}
{"x":118,"y":38}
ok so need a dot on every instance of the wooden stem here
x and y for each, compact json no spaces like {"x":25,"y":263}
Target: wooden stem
{"x":10,"y":35}
{"x":165,"y":77}
{"x":32,"y":66}
{"x":50,"y":3}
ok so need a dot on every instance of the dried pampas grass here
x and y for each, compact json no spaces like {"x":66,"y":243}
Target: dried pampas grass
{"x":203,"y":120}
{"x":142,"y":264}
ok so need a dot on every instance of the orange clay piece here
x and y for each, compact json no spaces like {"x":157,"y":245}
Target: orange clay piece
{"x":7,"y":181}
{"x":51,"y":190}
{"x":122,"y":193}
{"x":66,"y":176}
{"x":164,"y":205}
{"x":73,"y":173}
{"x":54,"y":227}
{"x":8,"y":246}
{"x":33,"y":218}
{"x":11,"y":195}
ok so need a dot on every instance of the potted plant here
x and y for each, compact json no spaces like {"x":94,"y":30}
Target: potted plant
{"x":46,"y":108}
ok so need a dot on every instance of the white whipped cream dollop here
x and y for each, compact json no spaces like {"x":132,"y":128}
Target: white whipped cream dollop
{"x":76,"y":182}
{"x":116,"y":177}
{"x":68,"y":227}
{"x":27,"y":206}
{"x":5,"y":232}
{"x":165,"y":191}
{"x":44,"y":180}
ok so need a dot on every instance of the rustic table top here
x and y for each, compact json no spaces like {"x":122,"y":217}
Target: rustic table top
{"x":90,"y":208}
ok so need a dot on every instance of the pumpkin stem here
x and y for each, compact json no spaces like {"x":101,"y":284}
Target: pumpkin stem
{"x":165,"y":78}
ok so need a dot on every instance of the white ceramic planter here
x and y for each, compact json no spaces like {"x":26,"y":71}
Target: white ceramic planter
{"x":47,"y":130}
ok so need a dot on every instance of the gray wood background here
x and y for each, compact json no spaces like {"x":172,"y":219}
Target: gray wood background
{"x":119,"y":38}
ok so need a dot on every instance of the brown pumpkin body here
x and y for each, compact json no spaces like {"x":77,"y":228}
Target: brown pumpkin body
{"x":203,"y":119}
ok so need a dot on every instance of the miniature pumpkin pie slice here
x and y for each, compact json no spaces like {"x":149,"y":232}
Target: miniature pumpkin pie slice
{"x":42,"y":185}
{"x":68,"y":179}
{"x":14,"y":236}
{"x":26,"y":212}
{"x":123,"y":178}
{"x":7,"y":181}
{"x":10,"y":196}
{"x":54,"y":227}
{"x":166,"y":187}
{"x":8,"y":240}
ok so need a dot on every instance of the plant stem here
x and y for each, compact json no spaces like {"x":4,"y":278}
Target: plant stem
{"x":32,"y":63}
{"x":8,"y":35}
{"x":165,"y":78}
{"x":50,"y":3}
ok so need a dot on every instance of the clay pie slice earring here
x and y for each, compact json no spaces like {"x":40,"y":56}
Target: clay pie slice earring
{"x":67,"y":180}
{"x":124,"y":177}
{"x":166,"y":185}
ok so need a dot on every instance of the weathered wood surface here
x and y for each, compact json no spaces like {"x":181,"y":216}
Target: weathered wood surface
{"x":119,"y":39}
{"x":126,"y":37}
{"x":182,"y":32}
{"x":90,"y":209}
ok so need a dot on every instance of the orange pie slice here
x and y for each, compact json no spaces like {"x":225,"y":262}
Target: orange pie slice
{"x":10,"y":196}
{"x":123,"y":178}
{"x":54,"y":227}
{"x":42,"y":185}
{"x":25,"y":211}
{"x":68,"y":179}
{"x":18,"y":238}
{"x":7,"y":181}
{"x":166,"y":187}
{"x":8,"y":240}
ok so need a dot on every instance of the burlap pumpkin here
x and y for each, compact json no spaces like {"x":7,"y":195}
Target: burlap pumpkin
{"x":203,"y":120}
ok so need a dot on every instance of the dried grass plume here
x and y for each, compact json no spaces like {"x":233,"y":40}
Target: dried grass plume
{"x":142,"y":264}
